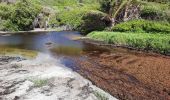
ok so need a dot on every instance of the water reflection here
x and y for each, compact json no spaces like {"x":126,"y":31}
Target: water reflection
{"x":12,"y":51}
{"x":66,"y":51}
{"x":60,"y":43}
{"x":55,"y":44}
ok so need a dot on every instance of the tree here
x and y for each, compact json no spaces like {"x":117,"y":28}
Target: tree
{"x":18,"y":16}
{"x":120,"y":10}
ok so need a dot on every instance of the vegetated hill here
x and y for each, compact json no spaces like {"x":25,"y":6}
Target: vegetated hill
{"x":137,"y":24}
{"x":79,"y":14}
{"x":62,"y":10}
{"x":147,"y":10}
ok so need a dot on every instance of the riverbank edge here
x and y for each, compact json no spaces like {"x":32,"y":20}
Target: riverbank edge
{"x":31,"y":31}
{"x":111,"y":46}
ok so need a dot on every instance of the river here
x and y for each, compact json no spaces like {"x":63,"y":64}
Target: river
{"x":126,"y":74}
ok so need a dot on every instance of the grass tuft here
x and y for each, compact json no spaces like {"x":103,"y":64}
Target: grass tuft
{"x":39,"y":82}
{"x":151,"y":42}
{"x":100,"y":96}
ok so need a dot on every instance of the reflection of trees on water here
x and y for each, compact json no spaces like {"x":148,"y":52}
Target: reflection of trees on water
{"x":8,"y":51}
{"x":90,"y":48}
{"x":77,"y":51}
{"x":66,"y":51}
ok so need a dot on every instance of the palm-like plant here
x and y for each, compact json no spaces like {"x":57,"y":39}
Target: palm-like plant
{"x":122,"y":10}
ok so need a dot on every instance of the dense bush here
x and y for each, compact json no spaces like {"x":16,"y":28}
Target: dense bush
{"x":155,"y":11}
{"x":105,"y":5}
{"x":18,"y":16}
{"x":154,"y":42}
{"x":92,"y":21}
{"x":72,"y":18}
{"x":158,"y":1}
{"x":83,"y":20}
{"x":143,"y":26}
{"x":64,"y":2}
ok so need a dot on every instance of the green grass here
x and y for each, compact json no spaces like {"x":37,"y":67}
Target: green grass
{"x":100,"y":96}
{"x":143,"y":26}
{"x":155,"y":11}
{"x":39,"y":82}
{"x":73,"y":17}
{"x":154,"y":42}
{"x":70,"y":12}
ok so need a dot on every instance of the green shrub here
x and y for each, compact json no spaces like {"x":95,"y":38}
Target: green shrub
{"x":84,"y":19}
{"x":155,"y":42}
{"x":155,"y":11}
{"x":72,"y":18}
{"x":143,"y":26}
{"x":158,"y":1}
{"x":18,"y":16}
{"x":105,"y":5}
{"x":92,"y":21}
{"x":5,"y":10}
{"x":64,"y":2}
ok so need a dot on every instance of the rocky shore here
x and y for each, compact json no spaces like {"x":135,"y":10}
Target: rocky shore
{"x":22,"y":79}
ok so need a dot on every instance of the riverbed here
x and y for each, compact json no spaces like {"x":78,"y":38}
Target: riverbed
{"x":124,"y":73}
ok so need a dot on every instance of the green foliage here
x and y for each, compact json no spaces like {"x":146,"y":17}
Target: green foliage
{"x":143,"y":26}
{"x":100,"y":96}
{"x":64,"y":2}
{"x":154,"y":42}
{"x":18,"y":16}
{"x":105,"y":5}
{"x":38,"y":82}
{"x":92,"y":21}
{"x":5,"y":10}
{"x":158,"y":1}
{"x":155,"y":11}
{"x":72,"y":18}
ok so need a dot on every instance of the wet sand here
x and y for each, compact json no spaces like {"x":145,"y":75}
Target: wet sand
{"x":128,"y":75}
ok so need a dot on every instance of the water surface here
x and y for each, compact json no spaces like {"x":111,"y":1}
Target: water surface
{"x":58,"y":45}
{"x":126,"y":74}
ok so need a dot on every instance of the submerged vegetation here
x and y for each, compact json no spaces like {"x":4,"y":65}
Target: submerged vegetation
{"x":13,"y":51}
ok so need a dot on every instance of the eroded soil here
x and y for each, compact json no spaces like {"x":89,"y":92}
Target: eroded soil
{"x":128,"y":75}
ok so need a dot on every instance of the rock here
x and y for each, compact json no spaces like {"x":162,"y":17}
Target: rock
{"x":63,"y":84}
{"x":6,"y":59}
{"x":49,"y":43}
